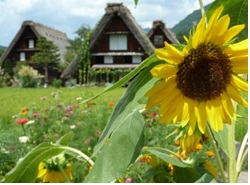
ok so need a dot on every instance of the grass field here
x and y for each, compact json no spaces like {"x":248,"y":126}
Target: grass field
{"x":13,"y":99}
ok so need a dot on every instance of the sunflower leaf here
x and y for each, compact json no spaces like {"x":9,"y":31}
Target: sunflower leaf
{"x":119,"y":151}
{"x":221,"y":137}
{"x":238,"y":12}
{"x":164,"y":154}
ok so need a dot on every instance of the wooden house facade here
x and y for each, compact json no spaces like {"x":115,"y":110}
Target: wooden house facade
{"x":23,"y":46}
{"x":159,"y":33}
{"x":117,"y":42}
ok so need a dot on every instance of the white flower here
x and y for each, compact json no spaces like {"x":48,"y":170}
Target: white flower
{"x":4,"y":151}
{"x":72,"y":126}
{"x":23,"y":139}
{"x":79,"y":98}
{"x":30,"y":122}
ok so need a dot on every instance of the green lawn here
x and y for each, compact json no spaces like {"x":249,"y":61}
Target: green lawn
{"x":13,"y":99}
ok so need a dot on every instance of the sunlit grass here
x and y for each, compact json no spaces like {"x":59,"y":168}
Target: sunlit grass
{"x":13,"y":99}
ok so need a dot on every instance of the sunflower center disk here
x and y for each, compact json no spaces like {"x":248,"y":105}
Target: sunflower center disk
{"x":204,"y":73}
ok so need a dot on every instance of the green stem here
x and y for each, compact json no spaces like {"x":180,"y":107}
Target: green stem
{"x":24,"y":132}
{"x":87,"y":158}
{"x":232,"y":172}
{"x":202,"y":7}
{"x":216,"y":153}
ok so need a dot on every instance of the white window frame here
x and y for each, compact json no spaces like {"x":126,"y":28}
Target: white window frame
{"x":31,"y":44}
{"x":108,"y":60}
{"x":136,"y":59}
{"x":158,"y":40}
{"x":22,"y":56}
{"x":118,"y":42}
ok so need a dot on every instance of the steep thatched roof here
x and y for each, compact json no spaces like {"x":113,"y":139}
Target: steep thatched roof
{"x":112,"y":10}
{"x":57,"y":37}
{"x":118,"y":8}
{"x":160,"y":24}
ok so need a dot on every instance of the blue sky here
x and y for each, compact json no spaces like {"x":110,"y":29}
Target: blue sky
{"x":69,"y":15}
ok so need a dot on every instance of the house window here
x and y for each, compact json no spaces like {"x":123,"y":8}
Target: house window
{"x":118,"y":42}
{"x":108,"y":59}
{"x":31,"y":43}
{"x":158,"y":40}
{"x":136,"y":59}
{"x":22,"y":56}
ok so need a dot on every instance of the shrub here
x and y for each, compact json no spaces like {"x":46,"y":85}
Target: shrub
{"x":28,"y":76}
{"x":57,"y":83}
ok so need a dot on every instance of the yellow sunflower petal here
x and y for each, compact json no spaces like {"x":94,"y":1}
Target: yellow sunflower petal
{"x":212,"y":21}
{"x":233,"y":31}
{"x":170,"y":101}
{"x":179,"y":103}
{"x":198,"y":37}
{"x":201,"y":117}
{"x":188,"y":110}
{"x":192,"y":121}
{"x":163,"y":71}
{"x":219,"y":30}
{"x":175,"y":53}
{"x":169,"y":54}
{"x":159,"y":93}
{"x":235,"y":95}
{"x":240,"y":83}
{"x":239,"y":64}
{"x":213,"y":110}
{"x":227,"y":105}
{"x":237,"y":49}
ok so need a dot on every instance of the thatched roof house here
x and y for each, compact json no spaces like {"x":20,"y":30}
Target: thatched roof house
{"x":160,"y":33}
{"x":117,"y":41}
{"x":23,"y":46}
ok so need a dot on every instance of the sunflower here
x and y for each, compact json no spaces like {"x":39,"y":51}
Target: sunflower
{"x":189,"y":143}
{"x":199,"y":82}
{"x":53,"y":175}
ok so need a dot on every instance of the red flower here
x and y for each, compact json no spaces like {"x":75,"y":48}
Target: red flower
{"x":22,"y":121}
{"x":111,"y":104}
{"x":153,"y":114}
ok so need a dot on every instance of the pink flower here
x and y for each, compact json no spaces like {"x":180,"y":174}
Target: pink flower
{"x":68,"y":109}
{"x":128,"y":180}
{"x":36,"y":114}
{"x":98,"y":132}
{"x":22,"y":121}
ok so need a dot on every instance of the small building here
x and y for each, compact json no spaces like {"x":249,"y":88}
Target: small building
{"x":117,"y":42}
{"x":159,"y":33}
{"x":23,"y":46}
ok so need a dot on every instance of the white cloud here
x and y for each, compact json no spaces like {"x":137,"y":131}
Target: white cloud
{"x":68,"y":16}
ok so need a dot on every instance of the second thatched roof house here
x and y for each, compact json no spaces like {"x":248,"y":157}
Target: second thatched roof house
{"x":160,"y":33}
{"x":117,"y":42}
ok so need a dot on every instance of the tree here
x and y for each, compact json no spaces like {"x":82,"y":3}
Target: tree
{"x":76,"y":44}
{"x":47,"y":56}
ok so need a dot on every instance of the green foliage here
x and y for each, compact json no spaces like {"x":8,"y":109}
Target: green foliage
{"x":57,"y":83}
{"x":47,"y":56}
